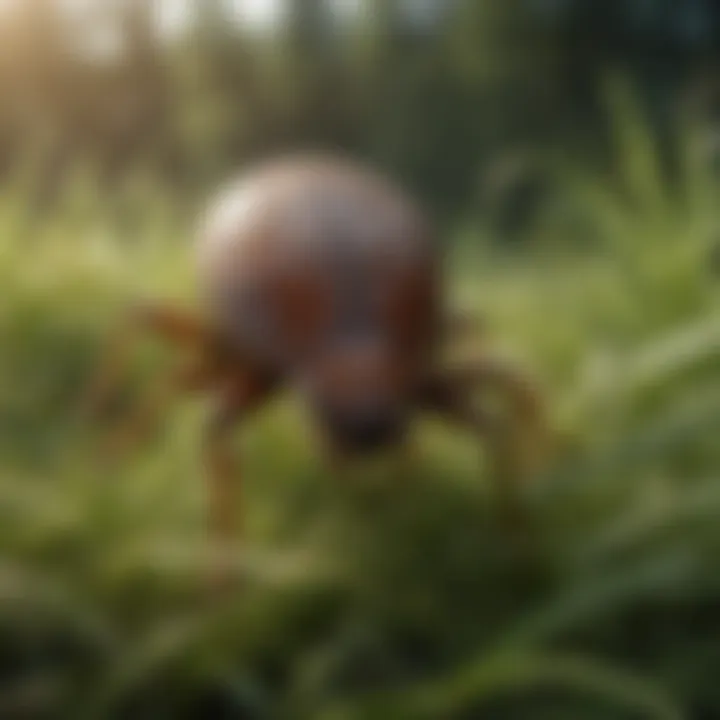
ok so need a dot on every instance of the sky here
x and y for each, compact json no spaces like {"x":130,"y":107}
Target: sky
{"x":173,"y":14}
{"x":264,"y":14}
{"x":260,"y":14}
{"x":105,"y":40}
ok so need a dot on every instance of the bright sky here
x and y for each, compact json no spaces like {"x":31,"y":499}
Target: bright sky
{"x":260,"y":14}
{"x":105,"y":40}
{"x":256,"y":13}
{"x":174,"y":13}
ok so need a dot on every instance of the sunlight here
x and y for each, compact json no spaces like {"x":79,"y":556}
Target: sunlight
{"x":174,"y":15}
{"x":259,"y":14}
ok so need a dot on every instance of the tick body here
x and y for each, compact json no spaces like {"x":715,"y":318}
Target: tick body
{"x":321,"y":274}
{"x":327,"y":276}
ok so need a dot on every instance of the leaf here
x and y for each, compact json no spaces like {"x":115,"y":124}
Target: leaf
{"x":508,"y":674}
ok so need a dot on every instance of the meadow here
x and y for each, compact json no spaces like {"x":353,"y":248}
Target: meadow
{"x":371,"y":600}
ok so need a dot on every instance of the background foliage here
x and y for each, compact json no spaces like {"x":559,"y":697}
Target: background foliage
{"x":569,"y":148}
{"x":439,"y":92}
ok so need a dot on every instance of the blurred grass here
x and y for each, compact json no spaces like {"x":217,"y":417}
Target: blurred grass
{"x":378,"y":601}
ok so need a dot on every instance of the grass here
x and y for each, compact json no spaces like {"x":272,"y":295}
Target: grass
{"x":374,"y":602}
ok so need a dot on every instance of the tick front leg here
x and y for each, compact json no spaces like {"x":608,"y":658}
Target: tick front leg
{"x":224,"y":475}
{"x":512,"y":433}
{"x":223,"y":488}
{"x":459,"y":326}
{"x":145,"y":417}
{"x":174,"y":326}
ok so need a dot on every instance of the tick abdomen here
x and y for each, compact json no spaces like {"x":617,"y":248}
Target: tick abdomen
{"x":307,"y":252}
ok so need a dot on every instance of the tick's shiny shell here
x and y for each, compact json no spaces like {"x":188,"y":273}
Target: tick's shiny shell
{"x":307,"y":253}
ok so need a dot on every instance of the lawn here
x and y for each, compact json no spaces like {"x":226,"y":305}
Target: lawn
{"x":369,"y":599}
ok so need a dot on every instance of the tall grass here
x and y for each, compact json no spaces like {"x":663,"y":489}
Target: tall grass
{"x":379,"y":601}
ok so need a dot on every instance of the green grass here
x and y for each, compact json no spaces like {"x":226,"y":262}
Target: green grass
{"x":373,"y":601}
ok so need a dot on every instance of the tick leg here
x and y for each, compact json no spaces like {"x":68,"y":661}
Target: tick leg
{"x":405,"y":463}
{"x":224,"y":477}
{"x":458,"y":326}
{"x":146,"y":415}
{"x":174,"y":326}
{"x":513,"y":433}
{"x":520,"y":398}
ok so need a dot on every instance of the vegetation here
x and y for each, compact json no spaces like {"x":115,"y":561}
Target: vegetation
{"x":591,"y":248}
{"x":438,"y":91}
{"x":370,"y":600}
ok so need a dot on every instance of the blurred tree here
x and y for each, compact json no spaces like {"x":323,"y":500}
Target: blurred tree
{"x":434,"y":91}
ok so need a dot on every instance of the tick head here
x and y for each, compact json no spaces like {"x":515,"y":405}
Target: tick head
{"x":357,"y":392}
